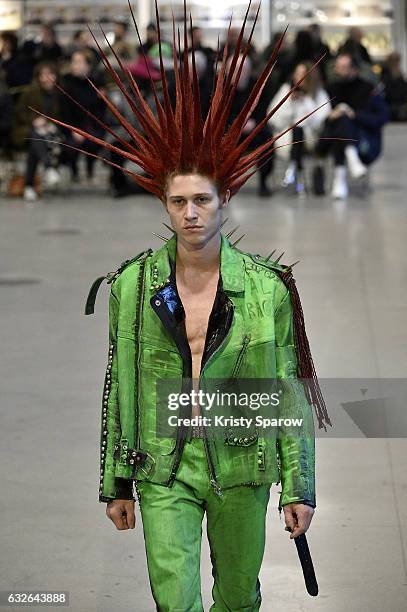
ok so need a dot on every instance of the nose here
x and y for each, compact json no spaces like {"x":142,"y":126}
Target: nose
{"x":190,"y":211}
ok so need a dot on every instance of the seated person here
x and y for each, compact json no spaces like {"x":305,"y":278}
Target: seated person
{"x":309,"y":96}
{"x":6,"y":105}
{"x":395,"y":87}
{"x":30,"y":130}
{"x":76,"y":85}
{"x":244,"y":87}
{"x":359,"y":112}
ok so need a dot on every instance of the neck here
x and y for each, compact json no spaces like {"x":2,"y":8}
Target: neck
{"x":192,"y":260}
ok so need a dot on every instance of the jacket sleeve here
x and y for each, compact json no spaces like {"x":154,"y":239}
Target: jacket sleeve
{"x":295,"y":444}
{"x":111,"y":487}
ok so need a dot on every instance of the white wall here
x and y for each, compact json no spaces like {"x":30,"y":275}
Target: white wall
{"x":399,"y":29}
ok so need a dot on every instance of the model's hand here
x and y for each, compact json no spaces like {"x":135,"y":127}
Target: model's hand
{"x":297,"y":518}
{"x":121,"y":512}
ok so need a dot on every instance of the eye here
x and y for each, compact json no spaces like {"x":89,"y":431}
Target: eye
{"x":202,"y":199}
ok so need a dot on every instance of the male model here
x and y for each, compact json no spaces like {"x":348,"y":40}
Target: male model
{"x":199,"y":309}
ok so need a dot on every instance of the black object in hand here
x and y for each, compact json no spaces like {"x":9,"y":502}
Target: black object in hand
{"x":306,"y":563}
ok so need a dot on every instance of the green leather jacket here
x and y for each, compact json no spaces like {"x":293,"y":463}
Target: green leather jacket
{"x":144,"y":349}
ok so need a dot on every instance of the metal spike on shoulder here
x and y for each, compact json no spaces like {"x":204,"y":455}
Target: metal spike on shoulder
{"x":278,"y":258}
{"x":273,"y":263}
{"x":159,"y":236}
{"x":270,"y":254}
{"x":229,"y":234}
{"x":169,"y":227}
{"x":233,"y":244}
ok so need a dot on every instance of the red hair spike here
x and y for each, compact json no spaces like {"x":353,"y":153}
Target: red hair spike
{"x":177,"y":139}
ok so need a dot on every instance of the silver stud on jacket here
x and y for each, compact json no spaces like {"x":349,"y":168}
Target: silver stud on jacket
{"x":106,"y":392}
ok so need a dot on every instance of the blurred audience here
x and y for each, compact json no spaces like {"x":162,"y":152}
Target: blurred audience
{"x":142,"y":69}
{"x":321,"y":50}
{"x":205,"y":58}
{"x":282,"y":69}
{"x":6,"y":116}
{"x":244,"y":87}
{"x":254,"y":56}
{"x":16,"y":63}
{"x":82,"y":41}
{"x":395,"y":87}
{"x":28,"y":77}
{"x":47,"y":49}
{"x":151,"y":39}
{"x":120,"y":45}
{"x":78,"y":88}
{"x":303,"y":49}
{"x":353,"y":46}
{"x":358,"y":114}
{"x":198,"y":35}
{"x":30,"y":130}
{"x":121,"y":185}
{"x":308,"y":96}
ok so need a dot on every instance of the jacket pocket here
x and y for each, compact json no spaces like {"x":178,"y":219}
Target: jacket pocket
{"x":240,"y":357}
{"x":158,"y":434}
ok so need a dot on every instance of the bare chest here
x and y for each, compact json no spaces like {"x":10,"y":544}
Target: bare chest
{"x":198,"y":303}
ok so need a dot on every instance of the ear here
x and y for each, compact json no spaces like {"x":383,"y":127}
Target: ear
{"x":226,"y":199}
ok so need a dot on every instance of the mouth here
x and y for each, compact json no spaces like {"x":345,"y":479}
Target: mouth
{"x":193,"y":227}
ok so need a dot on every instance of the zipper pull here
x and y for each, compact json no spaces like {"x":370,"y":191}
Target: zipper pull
{"x":216,"y":488}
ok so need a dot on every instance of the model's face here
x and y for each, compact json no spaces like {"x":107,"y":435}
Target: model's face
{"x":194,"y":207}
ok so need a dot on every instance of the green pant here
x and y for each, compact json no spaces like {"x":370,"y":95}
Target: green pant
{"x":172,"y":525}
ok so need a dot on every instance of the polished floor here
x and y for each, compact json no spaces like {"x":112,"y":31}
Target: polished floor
{"x":353,"y":282}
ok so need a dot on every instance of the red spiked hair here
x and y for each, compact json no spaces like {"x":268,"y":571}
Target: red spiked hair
{"x":179,"y":140}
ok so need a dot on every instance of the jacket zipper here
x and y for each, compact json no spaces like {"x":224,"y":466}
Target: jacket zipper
{"x":179,"y":447}
{"x":215,"y":485}
{"x":239,"y":359}
{"x":180,"y":444}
